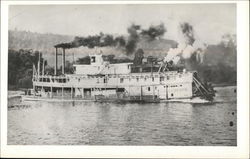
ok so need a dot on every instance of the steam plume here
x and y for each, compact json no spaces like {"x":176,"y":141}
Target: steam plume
{"x":188,"y":49}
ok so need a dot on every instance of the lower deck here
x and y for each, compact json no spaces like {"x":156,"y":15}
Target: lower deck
{"x":142,"y":92}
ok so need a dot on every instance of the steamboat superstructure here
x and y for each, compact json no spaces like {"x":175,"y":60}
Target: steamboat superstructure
{"x":102,"y":81}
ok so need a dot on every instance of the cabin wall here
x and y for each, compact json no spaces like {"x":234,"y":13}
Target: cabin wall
{"x":165,"y":86}
{"x":103,"y":69}
{"x":117,"y":69}
{"x":111,"y":92}
{"x":160,"y":91}
{"x":180,"y":90}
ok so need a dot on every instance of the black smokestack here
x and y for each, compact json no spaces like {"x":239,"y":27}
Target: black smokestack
{"x":132,"y":39}
{"x":154,"y":31}
{"x":187,"y":31}
{"x":139,"y":54}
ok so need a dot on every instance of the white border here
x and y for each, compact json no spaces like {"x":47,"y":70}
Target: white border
{"x":240,"y":151}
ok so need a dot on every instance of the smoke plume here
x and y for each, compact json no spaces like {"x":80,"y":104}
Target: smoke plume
{"x":100,"y":40}
{"x":132,"y":39}
{"x":154,"y":32}
{"x":187,"y":31}
{"x":130,"y":44}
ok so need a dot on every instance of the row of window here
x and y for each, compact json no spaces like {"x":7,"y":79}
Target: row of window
{"x":145,"y":79}
{"x":176,"y":85}
{"x":162,"y":78}
{"x":137,"y":79}
{"x":53,"y":80}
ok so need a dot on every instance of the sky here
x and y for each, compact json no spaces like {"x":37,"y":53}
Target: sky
{"x":209,"y":21}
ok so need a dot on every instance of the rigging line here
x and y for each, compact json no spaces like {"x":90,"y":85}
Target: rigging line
{"x":201,"y":85}
{"x":199,"y":88}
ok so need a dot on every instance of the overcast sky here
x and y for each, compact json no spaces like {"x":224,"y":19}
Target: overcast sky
{"x":210,"y":21}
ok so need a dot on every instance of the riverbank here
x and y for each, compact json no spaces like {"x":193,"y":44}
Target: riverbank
{"x":224,"y":84}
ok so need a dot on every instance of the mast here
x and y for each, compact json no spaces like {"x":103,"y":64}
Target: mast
{"x":43,"y":67}
{"x":63,"y":61}
{"x":55,"y":69}
{"x":38,"y":65}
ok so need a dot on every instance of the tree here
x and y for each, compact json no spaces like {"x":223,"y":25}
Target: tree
{"x":20,"y":65}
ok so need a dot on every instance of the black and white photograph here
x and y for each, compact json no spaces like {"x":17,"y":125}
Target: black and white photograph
{"x":130,"y":74}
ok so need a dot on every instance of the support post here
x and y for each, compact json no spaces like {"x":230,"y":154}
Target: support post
{"x":62,"y":92}
{"x":51,"y":91}
{"x":82,"y":93}
{"x":141,"y":94}
{"x":55,"y":70}
{"x":34,"y":90}
{"x":153,"y":92}
{"x":71,"y":92}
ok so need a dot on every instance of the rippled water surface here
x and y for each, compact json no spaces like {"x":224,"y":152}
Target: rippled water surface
{"x":90,"y":123}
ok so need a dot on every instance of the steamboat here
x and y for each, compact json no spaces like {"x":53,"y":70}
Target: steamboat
{"x":102,"y":81}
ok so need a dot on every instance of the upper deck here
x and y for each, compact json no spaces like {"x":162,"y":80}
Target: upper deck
{"x":99,"y":66}
{"x":114,"y":80}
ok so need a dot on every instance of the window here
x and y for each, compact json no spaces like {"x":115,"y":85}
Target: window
{"x":121,"y":80}
{"x":137,"y":79}
{"x":92,"y":59}
{"x":161,"y":78}
{"x":168,"y":78}
{"x":153,"y":79}
{"x":128,"y":66}
{"x":172,"y":94}
{"x":148,"y":88}
{"x":105,"y":80}
{"x":145,"y":79}
{"x":97,"y":80}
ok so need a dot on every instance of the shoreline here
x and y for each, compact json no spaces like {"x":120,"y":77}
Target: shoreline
{"x":224,"y":85}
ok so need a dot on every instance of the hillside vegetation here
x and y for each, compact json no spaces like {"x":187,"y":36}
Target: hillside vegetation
{"x":218,"y":66}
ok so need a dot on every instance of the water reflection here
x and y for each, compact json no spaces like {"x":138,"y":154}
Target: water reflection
{"x":90,"y":123}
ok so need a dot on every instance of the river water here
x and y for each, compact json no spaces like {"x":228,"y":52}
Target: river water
{"x":91,"y":123}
